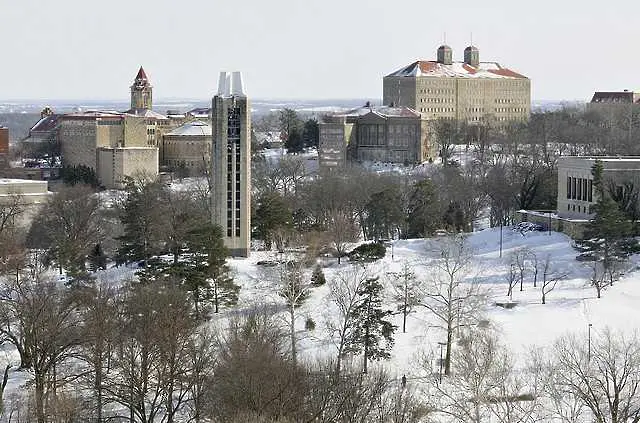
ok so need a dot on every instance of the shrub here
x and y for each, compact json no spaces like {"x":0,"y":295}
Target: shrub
{"x":317,"y":277}
{"x":368,"y":252}
{"x":310,"y":324}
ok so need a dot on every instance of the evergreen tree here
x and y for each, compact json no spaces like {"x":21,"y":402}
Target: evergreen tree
{"x":311,"y":133}
{"x":205,"y":272}
{"x":317,"y":277}
{"x":142,"y":217}
{"x":607,"y":241}
{"x":424,"y":210}
{"x":294,"y":142}
{"x":372,"y":333}
{"x":97,"y":259}
{"x":272,"y":214}
{"x":384,"y":215}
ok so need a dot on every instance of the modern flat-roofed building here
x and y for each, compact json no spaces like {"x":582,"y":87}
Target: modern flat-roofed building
{"x":470,"y":90}
{"x":576,"y":194}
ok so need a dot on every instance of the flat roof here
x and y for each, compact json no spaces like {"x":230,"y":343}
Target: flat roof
{"x":6,"y":181}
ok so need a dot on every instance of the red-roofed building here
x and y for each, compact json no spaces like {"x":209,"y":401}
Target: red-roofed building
{"x":470,"y":91}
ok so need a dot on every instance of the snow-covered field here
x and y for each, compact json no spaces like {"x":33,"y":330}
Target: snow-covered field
{"x":570,"y":308}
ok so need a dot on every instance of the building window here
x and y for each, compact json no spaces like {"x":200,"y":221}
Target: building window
{"x":590,"y":190}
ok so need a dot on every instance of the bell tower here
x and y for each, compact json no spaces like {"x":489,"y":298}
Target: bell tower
{"x":141,"y":92}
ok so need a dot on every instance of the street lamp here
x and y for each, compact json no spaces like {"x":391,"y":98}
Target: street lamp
{"x":441,"y":359}
{"x":589,"y":343}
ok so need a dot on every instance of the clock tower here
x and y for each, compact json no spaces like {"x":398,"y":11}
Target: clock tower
{"x":141,"y":92}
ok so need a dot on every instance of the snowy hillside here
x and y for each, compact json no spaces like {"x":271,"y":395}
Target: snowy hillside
{"x":569,"y":308}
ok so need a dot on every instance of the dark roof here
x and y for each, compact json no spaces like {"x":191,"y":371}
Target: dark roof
{"x":141,"y":74}
{"x":471,"y":48}
{"x":444,"y":47}
{"x":46,"y":124}
{"x":613,"y":97}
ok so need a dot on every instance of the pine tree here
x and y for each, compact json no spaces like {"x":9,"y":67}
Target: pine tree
{"x":372,"y":333}
{"x":206,"y":274}
{"x":97,"y":259}
{"x":317,"y":277}
{"x":607,"y":241}
{"x":142,"y":218}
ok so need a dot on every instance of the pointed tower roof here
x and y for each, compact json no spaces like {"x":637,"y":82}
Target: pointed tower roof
{"x":141,"y":74}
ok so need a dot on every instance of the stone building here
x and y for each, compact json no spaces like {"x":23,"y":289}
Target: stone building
{"x":468,"y":91}
{"x":4,"y":147}
{"x":82,"y":133}
{"x":141,"y":106}
{"x":116,"y":144}
{"x":187,"y":147}
{"x":116,"y":163}
{"x":231,"y":163}
{"x":4,"y":140}
{"x":384,"y":134}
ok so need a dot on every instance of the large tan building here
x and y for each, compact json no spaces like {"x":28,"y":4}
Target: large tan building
{"x":116,"y":144}
{"x":231,"y":163}
{"x":374,"y":134}
{"x":470,"y":91}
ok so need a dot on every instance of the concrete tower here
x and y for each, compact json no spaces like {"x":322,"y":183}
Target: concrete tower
{"x":231,"y":163}
{"x":141,"y":92}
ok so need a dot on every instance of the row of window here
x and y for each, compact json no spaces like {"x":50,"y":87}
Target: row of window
{"x":579,"y":189}
{"x":579,"y":209}
{"x":437,"y":91}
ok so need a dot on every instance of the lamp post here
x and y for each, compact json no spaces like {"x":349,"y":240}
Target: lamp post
{"x":500,"y":237}
{"x":441,"y":359}
{"x":589,"y":343}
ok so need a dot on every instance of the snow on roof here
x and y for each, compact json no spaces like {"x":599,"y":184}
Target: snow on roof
{"x":190,"y":129}
{"x":93,"y":114}
{"x":146,"y":113}
{"x":456,"y":70}
{"x":384,"y":111}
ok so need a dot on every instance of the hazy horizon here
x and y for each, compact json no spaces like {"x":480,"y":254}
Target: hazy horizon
{"x":288,"y":49}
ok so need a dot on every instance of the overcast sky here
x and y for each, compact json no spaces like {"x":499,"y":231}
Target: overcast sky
{"x":307,"y":49}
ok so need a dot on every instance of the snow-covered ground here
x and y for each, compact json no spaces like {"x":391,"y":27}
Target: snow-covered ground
{"x":571,"y":307}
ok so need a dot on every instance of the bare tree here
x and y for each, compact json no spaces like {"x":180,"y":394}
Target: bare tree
{"x":344,"y":297}
{"x":550,"y":278}
{"x":447,"y":296}
{"x":511,"y":278}
{"x":603,"y":374}
{"x":485,"y":385}
{"x":341,"y":230}
{"x":519,"y":259}
{"x":41,"y":320}
{"x":407,"y":292}
{"x":294,"y":289}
